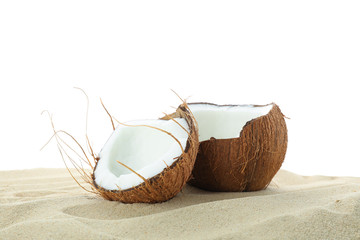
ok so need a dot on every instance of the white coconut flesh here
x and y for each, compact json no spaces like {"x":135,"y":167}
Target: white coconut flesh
{"x":224,"y":122}
{"x":145,"y":150}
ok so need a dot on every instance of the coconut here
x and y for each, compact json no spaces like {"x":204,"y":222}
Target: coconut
{"x":147,"y":161}
{"x":241,"y":146}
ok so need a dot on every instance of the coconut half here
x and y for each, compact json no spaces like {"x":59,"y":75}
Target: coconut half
{"x":241,"y":146}
{"x":148,"y":161}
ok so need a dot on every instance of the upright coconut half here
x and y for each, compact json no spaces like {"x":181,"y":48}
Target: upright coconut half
{"x":148,"y":161}
{"x":241,"y":146}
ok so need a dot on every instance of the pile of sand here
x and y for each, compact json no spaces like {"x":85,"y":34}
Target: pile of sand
{"x":47,"y":204}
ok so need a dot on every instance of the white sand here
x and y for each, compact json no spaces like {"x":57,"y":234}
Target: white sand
{"x":47,"y":204}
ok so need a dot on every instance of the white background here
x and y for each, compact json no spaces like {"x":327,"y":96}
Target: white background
{"x":302,"y":55}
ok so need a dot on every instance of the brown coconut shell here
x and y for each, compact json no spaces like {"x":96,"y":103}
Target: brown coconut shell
{"x":246,"y":163}
{"x":171,"y":180}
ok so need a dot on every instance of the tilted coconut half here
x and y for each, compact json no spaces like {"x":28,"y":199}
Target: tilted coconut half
{"x":241,"y":146}
{"x":148,"y":161}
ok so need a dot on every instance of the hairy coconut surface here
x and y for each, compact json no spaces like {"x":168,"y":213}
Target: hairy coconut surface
{"x":148,"y":161}
{"x":241,"y":146}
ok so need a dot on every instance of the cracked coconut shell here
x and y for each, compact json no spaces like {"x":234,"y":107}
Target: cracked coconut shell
{"x":245,"y":163}
{"x":170,"y":181}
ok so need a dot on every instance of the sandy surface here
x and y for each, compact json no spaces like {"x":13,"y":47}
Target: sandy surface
{"x":47,"y":204}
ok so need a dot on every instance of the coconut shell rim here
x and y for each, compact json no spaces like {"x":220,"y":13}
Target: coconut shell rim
{"x":231,"y":105}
